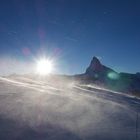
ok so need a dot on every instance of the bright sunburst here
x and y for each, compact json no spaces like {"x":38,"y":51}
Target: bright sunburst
{"x":44,"y":66}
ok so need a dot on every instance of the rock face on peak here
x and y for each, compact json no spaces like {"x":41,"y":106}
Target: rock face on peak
{"x":95,"y":65}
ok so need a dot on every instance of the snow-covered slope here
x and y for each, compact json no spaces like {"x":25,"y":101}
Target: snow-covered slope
{"x":38,"y":109}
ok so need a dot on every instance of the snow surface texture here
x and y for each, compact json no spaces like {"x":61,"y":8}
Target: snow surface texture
{"x":38,"y":109}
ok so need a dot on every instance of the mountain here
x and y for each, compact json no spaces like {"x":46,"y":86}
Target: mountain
{"x":100,"y":74}
{"x":98,"y":71}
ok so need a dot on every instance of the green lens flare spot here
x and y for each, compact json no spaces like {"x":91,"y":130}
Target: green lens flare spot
{"x":113,"y":75}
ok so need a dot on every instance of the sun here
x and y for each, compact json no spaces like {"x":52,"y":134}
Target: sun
{"x":44,"y":66}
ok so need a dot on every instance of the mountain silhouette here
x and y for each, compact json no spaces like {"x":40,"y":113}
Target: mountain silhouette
{"x":97,"y":70}
{"x":100,"y":74}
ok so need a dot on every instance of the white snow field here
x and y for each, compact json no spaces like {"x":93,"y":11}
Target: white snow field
{"x":38,"y":109}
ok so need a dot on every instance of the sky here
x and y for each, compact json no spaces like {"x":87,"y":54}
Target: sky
{"x":70,"y":32}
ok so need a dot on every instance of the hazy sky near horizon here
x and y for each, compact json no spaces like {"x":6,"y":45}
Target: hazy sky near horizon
{"x":71,"y":32}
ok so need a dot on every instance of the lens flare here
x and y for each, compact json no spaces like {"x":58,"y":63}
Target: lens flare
{"x":113,"y":75}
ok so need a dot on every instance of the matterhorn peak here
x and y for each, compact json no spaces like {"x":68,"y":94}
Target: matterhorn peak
{"x":95,"y":58}
{"x":96,"y":68}
{"x":95,"y":64}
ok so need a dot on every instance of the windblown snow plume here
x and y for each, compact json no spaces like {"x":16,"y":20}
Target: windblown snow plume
{"x":59,"y":109}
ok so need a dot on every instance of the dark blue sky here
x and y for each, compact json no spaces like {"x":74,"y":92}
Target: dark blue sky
{"x":73,"y":31}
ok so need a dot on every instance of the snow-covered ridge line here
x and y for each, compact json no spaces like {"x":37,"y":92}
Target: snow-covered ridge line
{"x":108,"y":90}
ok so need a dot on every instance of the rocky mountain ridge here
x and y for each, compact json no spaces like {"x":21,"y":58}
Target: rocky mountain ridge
{"x":102,"y":75}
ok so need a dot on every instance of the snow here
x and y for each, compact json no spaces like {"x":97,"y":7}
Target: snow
{"x":38,"y":109}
